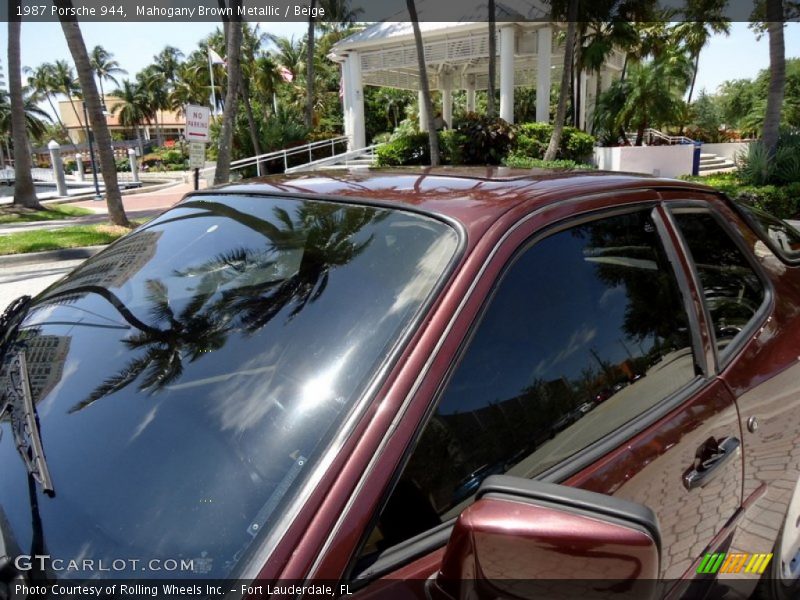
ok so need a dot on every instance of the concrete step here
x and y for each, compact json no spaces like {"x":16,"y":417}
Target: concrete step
{"x":717,"y":164}
{"x":720,"y":162}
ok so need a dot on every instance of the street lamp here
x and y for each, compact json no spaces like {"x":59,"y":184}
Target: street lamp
{"x":90,"y":139}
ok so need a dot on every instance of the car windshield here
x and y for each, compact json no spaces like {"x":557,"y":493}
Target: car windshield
{"x":188,"y":378}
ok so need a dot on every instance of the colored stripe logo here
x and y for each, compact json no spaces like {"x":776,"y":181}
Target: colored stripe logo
{"x":736,"y":562}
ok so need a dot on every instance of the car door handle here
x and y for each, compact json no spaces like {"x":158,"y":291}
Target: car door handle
{"x":710,"y":461}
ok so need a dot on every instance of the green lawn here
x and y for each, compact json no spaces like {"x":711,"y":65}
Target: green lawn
{"x":66,"y":237}
{"x":51,"y":213}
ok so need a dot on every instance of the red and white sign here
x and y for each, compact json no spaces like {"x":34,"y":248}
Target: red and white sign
{"x":197,"y":118}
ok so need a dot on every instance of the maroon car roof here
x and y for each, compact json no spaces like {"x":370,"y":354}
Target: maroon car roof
{"x":474,"y":196}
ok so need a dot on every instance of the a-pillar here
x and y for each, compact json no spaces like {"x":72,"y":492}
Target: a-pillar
{"x":423,"y":113}
{"x":543,"y":69}
{"x":357,"y":102}
{"x":447,"y":99}
{"x":470,"y":93}
{"x":507,"y":34}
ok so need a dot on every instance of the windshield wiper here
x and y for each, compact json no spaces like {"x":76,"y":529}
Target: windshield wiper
{"x":25,"y":421}
{"x":10,"y":319}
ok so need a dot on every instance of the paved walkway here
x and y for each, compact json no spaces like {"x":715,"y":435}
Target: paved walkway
{"x":137,"y":206}
{"x":151,"y":201}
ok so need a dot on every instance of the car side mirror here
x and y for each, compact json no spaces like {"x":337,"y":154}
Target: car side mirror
{"x":527,"y":539}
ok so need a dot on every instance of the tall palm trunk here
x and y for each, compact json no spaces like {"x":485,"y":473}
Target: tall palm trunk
{"x":309,"y":116}
{"x":223,"y":171}
{"x":578,"y":70}
{"x":251,"y":122}
{"x":491,"y":111}
{"x":433,"y":136}
{"x":777,"y":76}
{"x":561,"y":110}
{"x":24,"y":190}
{"x":97,"y":121}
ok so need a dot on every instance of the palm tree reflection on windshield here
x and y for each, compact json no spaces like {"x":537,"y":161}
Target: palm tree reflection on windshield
{"x":242,"y":289}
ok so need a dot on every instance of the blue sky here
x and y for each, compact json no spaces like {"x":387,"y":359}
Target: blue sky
{"x":133,"y":44}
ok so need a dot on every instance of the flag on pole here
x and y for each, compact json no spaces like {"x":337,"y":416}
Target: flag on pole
{"x":286,"y":74}
{"x":215,"y":58}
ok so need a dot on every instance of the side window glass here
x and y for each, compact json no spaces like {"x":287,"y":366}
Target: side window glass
{"x":784,"y":237}
{"x":732,"y":289}
{"x":586,"y":331}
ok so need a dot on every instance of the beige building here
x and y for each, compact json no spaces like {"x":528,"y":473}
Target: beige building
{"x":171,"y":123}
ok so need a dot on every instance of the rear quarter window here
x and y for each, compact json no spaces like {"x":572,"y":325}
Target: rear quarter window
{"x":782,"y":237}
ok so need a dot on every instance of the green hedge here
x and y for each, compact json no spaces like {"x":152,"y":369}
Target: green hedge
{"x":533,"y":138}
{"x":526,"y":162}
{"x":478,"y":140}
{"x":783,"y":201}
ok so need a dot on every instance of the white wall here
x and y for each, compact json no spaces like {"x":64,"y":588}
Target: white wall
{"x":727,"y":150}
{"x":662,"y":161}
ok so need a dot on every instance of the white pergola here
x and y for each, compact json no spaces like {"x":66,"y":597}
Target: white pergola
{"x":456,"y":55}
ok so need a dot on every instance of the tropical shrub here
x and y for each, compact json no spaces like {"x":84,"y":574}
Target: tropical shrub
{"x":755,"y":167}
{"x":486,"y":141}
{"x":525,"y":162}
{"x":410,"y":149}
{"x":533,"y":138}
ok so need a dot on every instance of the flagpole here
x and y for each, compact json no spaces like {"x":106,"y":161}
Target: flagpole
{"x":213,"y":92}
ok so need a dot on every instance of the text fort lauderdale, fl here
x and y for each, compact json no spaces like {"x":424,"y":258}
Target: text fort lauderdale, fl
{"x":172,"y":12}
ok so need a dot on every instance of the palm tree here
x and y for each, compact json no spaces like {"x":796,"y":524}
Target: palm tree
{"x":153,"y":86}
{"x":234,"y":29}
{"x":288,"y":53}
{"x":601,"y":40}
{"x":650,"y":95}
{"x":433,"y":136}
{"x":561,"y":110}
{"x":168,"y":63}
{"x":777,"y":75}
{"x":64,"y":82}
{"x":77,"y":47}
{"x":35,"y":117}
{"x":133,"y":110}
{"x":105,"y":67}
{"x":40,"y":80}
{"x":251,"y":41}
{"x":190,"y":87}
{"x":704,"y":19}
{"x":309,"y":112}
{"x":24,"y":191}
{"x":267,"y":79}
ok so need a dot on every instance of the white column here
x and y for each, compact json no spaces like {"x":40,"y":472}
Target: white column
{"x":543,"y":69}
{"x":447,"y":99}
{"x":359,"y":130}
{"x":591,"y":88}
{"x":347,"y":102}
{"x":471,"y":93}
{"x":507,"y":73}
{"x":582,"y":119}
{"x":58,"y":167}
{"x":423,"y":114}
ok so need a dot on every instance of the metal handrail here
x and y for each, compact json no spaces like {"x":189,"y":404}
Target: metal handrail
{"x":655,"y":133}
{"x":336,"y":159}
{"x":285,"y":153}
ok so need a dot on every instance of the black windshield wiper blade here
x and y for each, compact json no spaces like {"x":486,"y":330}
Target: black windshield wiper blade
{"x":10,"y":319}
{"x":25,"y":422}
